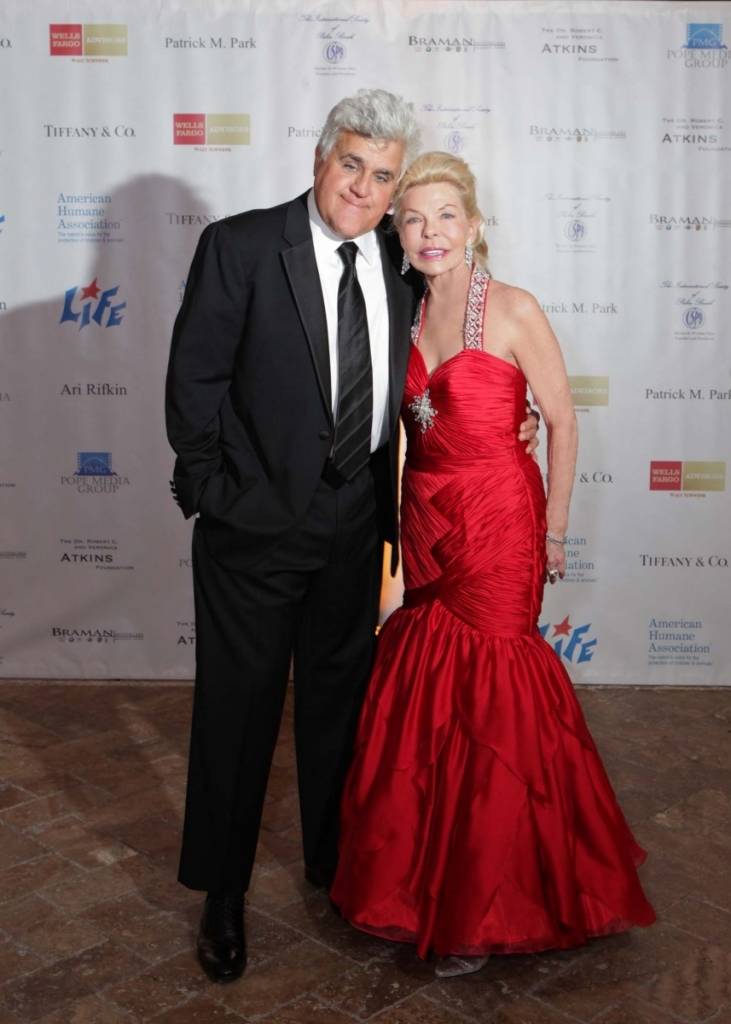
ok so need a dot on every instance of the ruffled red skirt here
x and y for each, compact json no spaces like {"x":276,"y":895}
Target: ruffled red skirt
{"x":477,"y":816}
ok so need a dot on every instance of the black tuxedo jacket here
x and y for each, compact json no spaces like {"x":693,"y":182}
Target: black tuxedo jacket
{"x":248,"y":401}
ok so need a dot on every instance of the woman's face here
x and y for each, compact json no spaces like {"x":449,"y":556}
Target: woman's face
{"x":434,"y":228}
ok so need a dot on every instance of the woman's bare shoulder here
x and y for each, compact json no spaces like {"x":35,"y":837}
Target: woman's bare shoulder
{"x":516,"y":303}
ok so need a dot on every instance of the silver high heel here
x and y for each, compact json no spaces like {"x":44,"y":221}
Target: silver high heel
{"x":454,"y":966}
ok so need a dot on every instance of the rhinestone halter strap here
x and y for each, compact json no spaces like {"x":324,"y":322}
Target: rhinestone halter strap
{"x":474,"y":312}
{"x":421,"y":405}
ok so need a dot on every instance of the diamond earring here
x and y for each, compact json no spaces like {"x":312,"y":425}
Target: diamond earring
{"x":405,"y":264}
{"x":468,"y":254}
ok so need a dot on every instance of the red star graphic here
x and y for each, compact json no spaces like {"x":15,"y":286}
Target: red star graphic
{"x":91,"y":291}
{"x":563,"y":628}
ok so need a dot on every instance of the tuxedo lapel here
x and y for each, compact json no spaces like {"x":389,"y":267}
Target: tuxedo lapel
{"x":300,"y":267}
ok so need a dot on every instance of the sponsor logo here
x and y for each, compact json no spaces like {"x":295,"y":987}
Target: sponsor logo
{"x":687,"y":222}
{"x":89,"y":131}
{"x":588,"y":391}
{"x":594,"y":476}
{"x":95,"y":389}
{"x":94,"y":475}
{"x":580,"y":221}
{"x":91,"y":552}
{"x":91,"y":635}
{"x":334,"y":37}
{"x":92,"y":304}
{"x":687,"y":476}
{"x":2,"y":222}
{"x":580,"y":567}
{"x":13,"y":554}
{"x":677,"y":642}
{"x":695,"y":319}
{"x":197,"y":220}
{"x":704,"y":134}
{"x":209,"y":43}
{"x":688,"y":394}
{"x":302,"y":132}
{"x":219,"y":131}
{"x":88,"y":40}
{"x":570,"y":642}
{"x":446,"y":43}
{"x":683,"y":561}
{"x":457,"y":126}
{"x":85,"y":217}
{"x":703,"y":47}
{"x":580,"y":308}
{"x":185,"y":634}
{"x":576,"y":42}
{"x":333,"y":52}
{"x":551,"y":133}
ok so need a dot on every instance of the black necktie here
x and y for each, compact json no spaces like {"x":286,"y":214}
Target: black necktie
{"x":352,"y":446}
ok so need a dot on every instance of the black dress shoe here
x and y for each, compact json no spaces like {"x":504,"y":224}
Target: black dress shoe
{"x":318,"y":877}
{"x":221,"y":941}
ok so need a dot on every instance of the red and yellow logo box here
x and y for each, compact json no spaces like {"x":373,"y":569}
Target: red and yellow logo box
{"x":88,"y":40}
{"x":211,"y":130}
{"x":687,"y":476}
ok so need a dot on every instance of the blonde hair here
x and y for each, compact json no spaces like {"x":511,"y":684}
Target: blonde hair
{"x":436,"y":167}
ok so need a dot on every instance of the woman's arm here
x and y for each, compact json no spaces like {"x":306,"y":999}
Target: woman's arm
{"x":536,"y":350}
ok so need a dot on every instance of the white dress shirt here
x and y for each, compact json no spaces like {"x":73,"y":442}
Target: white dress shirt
{"x":370,"y":275}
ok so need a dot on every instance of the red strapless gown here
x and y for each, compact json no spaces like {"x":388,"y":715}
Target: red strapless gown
{"x":477,"y":816}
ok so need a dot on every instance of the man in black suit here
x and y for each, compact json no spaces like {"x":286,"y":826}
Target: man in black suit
{"x":284,"y":385}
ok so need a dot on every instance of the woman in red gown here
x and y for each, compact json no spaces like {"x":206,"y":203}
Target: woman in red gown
{"x":477,"y":816}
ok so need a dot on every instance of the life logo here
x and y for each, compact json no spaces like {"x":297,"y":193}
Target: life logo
{"x":83,"y":305}
{"x":333,"y":52}
{"x":570,"y":642}
{"x":74,"y":40}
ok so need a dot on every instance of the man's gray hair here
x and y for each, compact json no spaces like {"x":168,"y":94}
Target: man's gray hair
{"x":376,"y":114}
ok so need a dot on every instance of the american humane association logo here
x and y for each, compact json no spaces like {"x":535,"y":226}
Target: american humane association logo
{"x":570,"y":642}
{"x":83,"y":304}
{"x":94,"y":474}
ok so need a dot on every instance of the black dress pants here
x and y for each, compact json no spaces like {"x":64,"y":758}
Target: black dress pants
{"x":314,"y":595}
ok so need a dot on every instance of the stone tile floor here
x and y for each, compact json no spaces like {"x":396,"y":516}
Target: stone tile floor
{"x":95,"y":930}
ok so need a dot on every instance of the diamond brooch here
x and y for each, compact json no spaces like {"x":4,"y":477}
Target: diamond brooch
{"x":424,"y":412}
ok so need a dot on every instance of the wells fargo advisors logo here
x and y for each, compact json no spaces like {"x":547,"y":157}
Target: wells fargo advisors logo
{"x":222,"y":130}
{"x":687,"y":476}
{"x":75,"y":40}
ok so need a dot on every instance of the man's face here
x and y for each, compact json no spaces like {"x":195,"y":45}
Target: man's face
{"x":355,"y":182}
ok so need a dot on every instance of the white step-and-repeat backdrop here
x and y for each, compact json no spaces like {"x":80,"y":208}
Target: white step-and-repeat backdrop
{"x":600,"y":136}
